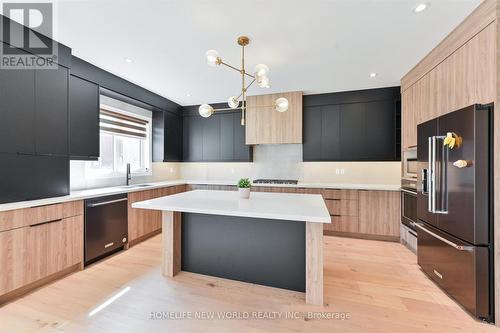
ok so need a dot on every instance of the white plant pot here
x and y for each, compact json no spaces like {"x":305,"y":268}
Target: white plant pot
{"x":244,"y":193}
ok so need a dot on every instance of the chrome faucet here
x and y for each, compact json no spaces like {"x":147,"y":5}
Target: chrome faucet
{"x":129,"y":175}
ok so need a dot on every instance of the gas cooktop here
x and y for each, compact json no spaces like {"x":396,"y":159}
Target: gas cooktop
{"x":276,"y":181}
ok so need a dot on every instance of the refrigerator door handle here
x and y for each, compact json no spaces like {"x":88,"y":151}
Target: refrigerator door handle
{"x":425,"y":181}
{"x":443,"y":178}
{"x":444,"y":240}
{"x":430,"y":175}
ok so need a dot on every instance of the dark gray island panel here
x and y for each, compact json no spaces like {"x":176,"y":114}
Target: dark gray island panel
{"x":262,"y":251}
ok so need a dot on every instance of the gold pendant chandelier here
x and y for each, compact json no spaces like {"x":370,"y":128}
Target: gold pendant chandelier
{"x":260,"y":75}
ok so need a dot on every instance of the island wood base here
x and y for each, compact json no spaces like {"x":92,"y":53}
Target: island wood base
{"x":171,"y":260}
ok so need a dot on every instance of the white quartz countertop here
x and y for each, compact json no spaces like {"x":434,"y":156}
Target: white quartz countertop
{"x":93,"y":193}
{"x":339,"y":186}
{"x":279,"y":206}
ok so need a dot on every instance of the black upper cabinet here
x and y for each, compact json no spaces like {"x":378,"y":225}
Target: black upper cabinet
{"x":352,"y":126}
{"x":211,"y":138}
{"x":84,"y":119}
{"x":167,"y":136}
{"x":380,"y":130}
{"x":330,"y":127}
{"x":353,"y":132}
{"x":226,"y":137}
{"x":219,"y":138}
{"x":193,"y":143}
{"x":17,"y":111}
{"x":242,"y":152}
{"x":51,"y":111}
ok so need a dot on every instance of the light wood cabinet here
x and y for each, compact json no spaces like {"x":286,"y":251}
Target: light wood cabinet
{"x":264,"y":125}
{"x":379,"y":213}
{"x":64,"y":243}
{"x":343,"y":224}
{"x":354,"y":213}
{"x":143,"y":223}
{"x":31,"y":253}
{"x":463,"y":78}
{"x":341,"y":207}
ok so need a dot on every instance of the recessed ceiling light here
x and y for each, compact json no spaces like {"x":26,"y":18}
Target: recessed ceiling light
{"x":188,"y":95}
{"x":420,"y":7}
{"x":373,"y":74}
{"x":128,"y":60}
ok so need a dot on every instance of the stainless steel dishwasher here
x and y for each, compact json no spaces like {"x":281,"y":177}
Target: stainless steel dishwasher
{"x":106,"y":226}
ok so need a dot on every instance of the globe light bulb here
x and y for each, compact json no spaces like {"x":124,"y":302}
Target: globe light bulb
{"x":212,"y":58}
{"x":281,"y":104}
{"x":261,"y":70}
{"x":205,"y":110}
{"x":233,"y":102}
{"x":263,"y":81}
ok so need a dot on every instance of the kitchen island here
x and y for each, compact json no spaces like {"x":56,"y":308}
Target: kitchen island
{"x":273,"y":239}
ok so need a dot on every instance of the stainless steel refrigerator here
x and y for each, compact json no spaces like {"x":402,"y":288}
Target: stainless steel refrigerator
{"x":454,"y":206}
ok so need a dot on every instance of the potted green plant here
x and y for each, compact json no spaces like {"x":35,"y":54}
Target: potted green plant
{"x":244,"y":188}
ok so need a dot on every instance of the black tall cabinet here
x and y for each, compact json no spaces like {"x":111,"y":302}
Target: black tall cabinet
{"x":34,"y":150}
{"x":219,"y":138}
{"x":84,"y":119}
{"x":167,"y":136}
{"x":361,"y":125}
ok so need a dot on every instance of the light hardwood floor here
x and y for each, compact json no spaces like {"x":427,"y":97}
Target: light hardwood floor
{"x":377,"y":283}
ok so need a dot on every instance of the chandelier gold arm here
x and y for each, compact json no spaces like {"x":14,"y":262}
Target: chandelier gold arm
{"x":247,"y":107}
{"x":236,"y":69}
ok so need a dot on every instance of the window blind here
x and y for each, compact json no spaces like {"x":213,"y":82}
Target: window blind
{"x":114,"y":122}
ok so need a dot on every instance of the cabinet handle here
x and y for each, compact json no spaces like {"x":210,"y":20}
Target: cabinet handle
{"x":108,"y":245}
{"x":106,"y":202}
{"x":46,"y":222}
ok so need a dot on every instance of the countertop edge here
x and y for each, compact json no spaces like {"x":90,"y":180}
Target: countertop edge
{"x":93,"y":193}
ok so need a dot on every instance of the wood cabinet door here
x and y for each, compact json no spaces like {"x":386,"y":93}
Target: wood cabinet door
{"x":409,"y":121}
{"x":142,"y":221}
{"x":379,"y":212}
{"x":23,"y":256}
{"x":64,"y":243}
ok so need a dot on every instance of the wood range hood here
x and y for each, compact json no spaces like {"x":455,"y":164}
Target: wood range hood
{"x":264,"y":125}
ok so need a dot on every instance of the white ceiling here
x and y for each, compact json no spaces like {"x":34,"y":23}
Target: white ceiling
{"x":312,"y":45}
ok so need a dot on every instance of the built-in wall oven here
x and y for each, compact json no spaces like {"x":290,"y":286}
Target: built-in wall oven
{"x":409,"y":213}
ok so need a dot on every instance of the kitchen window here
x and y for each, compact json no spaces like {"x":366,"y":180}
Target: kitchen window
{"x":125,"y":137}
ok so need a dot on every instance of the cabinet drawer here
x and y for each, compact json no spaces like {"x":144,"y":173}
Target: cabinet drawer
{"x":28,"y":216}
{"x":343,"y":224}
{"x":342,"y":207}
{"x":340,"y":194}
{"x":72,"y":208}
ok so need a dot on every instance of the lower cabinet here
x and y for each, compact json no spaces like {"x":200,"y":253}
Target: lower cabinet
{"x":37,"y":251}
{"x":143,"y":223}
{"x":354,"y":213}
{"x":379,"y":213}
